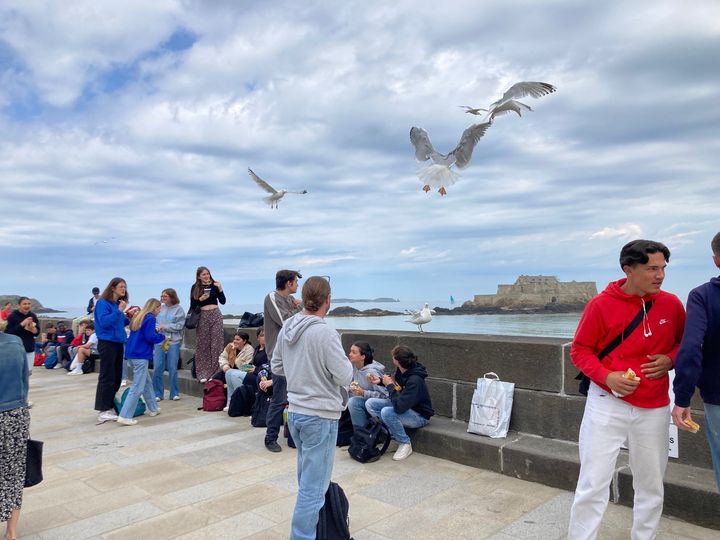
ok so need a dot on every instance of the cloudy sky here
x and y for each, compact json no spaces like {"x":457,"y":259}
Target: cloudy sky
{"x":128,"y":128}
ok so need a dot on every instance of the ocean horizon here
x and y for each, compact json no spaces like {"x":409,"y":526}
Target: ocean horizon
{"x":561,"y":325}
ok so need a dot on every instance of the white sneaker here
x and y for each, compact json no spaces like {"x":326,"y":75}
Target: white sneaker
{"x":403,"y":451}
{"x":226,"y":408}
{"x":123,"y":382}
{"x":176,"y":398}
{"x":126,"y":421}
{"x":57,"y":366}
{"x":154,"y":413}
{"x":157,"y":398}
{"x":107,"y":416}
{"x":75,"y":371}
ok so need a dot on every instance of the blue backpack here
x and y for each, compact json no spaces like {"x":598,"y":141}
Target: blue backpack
{"x":51,"y":359}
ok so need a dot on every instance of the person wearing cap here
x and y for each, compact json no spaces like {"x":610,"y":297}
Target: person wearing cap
{"x":90,"y":309}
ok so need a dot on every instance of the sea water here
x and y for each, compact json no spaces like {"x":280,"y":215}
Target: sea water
{"x":515,"y":324}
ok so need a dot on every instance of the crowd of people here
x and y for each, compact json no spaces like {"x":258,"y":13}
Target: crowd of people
{"x":627,"y":340}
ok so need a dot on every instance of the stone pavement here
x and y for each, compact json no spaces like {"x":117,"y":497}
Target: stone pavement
{"x":188,"y":474}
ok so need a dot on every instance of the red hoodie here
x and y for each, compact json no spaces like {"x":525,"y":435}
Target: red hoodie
{"x":606,"y":316}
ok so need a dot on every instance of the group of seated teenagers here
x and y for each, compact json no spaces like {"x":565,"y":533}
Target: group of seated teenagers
{"x":72,"y":351}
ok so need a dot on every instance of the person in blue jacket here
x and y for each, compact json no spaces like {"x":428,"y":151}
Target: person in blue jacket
{"x":143,"y":338}
{"x":698,"y":360}
{"x":110,"y":322}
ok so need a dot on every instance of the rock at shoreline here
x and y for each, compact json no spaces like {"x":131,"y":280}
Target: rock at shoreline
{"x":347,"y":311}
{"x":359,"y":300}
{"x":468,"y":309}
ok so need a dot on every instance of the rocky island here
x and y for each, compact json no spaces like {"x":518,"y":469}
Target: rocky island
{"x":37,"y":307}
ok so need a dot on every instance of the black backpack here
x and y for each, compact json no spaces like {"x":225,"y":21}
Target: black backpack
{"x":345,"y":429}
{"x":260,"y":408}
{"x":241,"y":401}
{"x":334,"y":521}
{"x":370,"y":442}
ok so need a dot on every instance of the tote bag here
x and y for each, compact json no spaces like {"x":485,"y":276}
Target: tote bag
{"x":491,"y":407}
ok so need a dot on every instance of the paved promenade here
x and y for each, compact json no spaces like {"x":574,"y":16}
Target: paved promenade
{"x":188,"y":474}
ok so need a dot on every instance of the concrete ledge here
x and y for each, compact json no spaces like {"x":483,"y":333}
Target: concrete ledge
{"x":690,"y":492}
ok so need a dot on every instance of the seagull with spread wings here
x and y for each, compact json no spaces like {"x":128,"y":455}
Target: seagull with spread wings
{"x":440,"y":174}
{"x":509,"y":100}
{"x":275,"y":194}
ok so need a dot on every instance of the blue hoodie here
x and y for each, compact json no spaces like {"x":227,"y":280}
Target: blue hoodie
{"x":141,"y":341}
{"x":698,"y":360}
{"x":13,"y":373}
{"x":110,"y":322}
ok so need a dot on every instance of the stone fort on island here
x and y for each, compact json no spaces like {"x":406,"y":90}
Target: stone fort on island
{"x":536,"y":291}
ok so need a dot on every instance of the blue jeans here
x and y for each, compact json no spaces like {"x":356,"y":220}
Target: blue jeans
{"x":141,"y":385}
{"x":234,"y":379}
{"x":315,"y":439}
{"x":166,"y":360}
{"x":358,"y":413}
{"x":712,"y":429}
{"x":125,"y":363}
{"x":383,"y":409}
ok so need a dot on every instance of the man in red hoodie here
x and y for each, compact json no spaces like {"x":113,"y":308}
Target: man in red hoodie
{"x":622,"y":410}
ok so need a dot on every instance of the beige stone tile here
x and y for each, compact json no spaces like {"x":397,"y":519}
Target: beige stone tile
{"x":280,"y":510}
{"x":32,"y":521}
{"x":105,"y":502}
{"x":257,"y":498}
{"x":146,"y":472}
{"x":57,"y":494}
{"x":238,"y":526}
{"x":167,"y":482}
{"x":365,"y":511}
{"x":167,"y":526}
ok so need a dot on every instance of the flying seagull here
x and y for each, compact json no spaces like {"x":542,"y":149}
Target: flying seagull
{"x":275,"y":195}
{"x":472,"y":110}
{"x":420,"y":317}
{"x":439,"y":174}
{"x":509,"y":100}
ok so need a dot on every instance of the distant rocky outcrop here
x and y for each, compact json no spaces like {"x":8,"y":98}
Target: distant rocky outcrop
{"x":37,"y":307}
{"x":347,"y":311}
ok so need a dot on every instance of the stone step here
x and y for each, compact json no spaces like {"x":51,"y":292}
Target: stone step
{"x":690,"y":491}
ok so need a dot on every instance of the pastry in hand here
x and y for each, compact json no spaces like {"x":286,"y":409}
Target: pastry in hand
{"x":630,"y":374}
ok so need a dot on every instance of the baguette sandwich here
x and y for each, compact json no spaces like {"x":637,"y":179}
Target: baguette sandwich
{"x":694,"y":426}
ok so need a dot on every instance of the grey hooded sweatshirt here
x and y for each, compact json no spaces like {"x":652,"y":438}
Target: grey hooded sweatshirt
{"x":310,"y":355}
{"x":371,"y":390}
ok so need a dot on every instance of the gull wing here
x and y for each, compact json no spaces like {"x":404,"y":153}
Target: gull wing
{"x":470,"y":137}
{"x":510,"y":106}
{"x":421,"y":141}
{"x":527,"y":88}
{"x":262,"y":183}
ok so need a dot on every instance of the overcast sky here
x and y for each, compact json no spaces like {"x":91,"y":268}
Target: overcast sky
{"x":128,"y":128}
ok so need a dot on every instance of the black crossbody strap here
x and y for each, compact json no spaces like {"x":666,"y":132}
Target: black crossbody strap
{"x":610,"y":347}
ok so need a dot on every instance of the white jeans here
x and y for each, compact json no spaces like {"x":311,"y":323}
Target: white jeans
{"x":608,"y":423}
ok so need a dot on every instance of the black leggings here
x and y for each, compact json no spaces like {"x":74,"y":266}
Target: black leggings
{"x":111,"y":359}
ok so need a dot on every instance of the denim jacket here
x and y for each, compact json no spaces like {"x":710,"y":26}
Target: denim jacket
{"x":13,"y":373}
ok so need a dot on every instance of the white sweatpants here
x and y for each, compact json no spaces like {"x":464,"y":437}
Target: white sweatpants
{"x":608,"y":423}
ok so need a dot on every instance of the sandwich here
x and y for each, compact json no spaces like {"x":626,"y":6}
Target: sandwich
{"x":630,"y":374}
{"x":694,"y":426}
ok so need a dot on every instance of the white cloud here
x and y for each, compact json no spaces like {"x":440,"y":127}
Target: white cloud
{"x":628,"y":231}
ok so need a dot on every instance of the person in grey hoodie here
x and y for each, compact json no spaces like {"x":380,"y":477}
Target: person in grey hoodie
{"x":309,"y":354}
{"x":361,"y":389}
{"x":171,"y":323}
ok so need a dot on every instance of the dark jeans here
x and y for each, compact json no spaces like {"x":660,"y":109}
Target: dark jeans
{"x":111,"y":361}
{"x":274,"y":417}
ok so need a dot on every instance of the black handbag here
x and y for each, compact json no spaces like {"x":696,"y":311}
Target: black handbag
{"x":191,"y":319}
{"x":33,"y":463}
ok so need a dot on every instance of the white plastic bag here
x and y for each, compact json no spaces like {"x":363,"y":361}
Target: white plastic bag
{"x":491,"y":407}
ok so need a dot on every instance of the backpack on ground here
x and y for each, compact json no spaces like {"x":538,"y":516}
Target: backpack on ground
{"x":241,"y":401}
{"x":345,"y":429}
{"x":334,"y":519}
{"x":88,"y":365}
{"x":370,"y":442}
{"x":139,"y":408}
{"x":258,"y":414}
{"x":51,"y":359}
{"x":213,"y":396}
{"x":40,"y":358}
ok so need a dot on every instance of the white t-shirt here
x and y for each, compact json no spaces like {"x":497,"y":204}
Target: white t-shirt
{"x":93,"y":341}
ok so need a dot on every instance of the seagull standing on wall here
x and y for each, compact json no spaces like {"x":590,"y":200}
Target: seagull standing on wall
{"x":275,"y":195}
{"x":420,"y":317}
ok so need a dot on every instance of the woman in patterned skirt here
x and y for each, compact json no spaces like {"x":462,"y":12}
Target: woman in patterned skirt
{"x":14,"y":430}
{"x":205,"y":294}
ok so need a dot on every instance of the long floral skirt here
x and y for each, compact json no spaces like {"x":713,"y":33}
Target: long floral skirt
{"x":209,"y":343}
{"x":14,"y":433}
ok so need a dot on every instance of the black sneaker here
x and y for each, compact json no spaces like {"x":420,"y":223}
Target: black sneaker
{"x":273,"y":446}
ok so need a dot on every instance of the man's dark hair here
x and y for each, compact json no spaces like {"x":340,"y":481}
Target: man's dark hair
{"x":715,"y":245}
{"x":637,"y":251}
{"x":95,"y":290}
{"x":404,"y":356}
{"x":284,"y":276}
